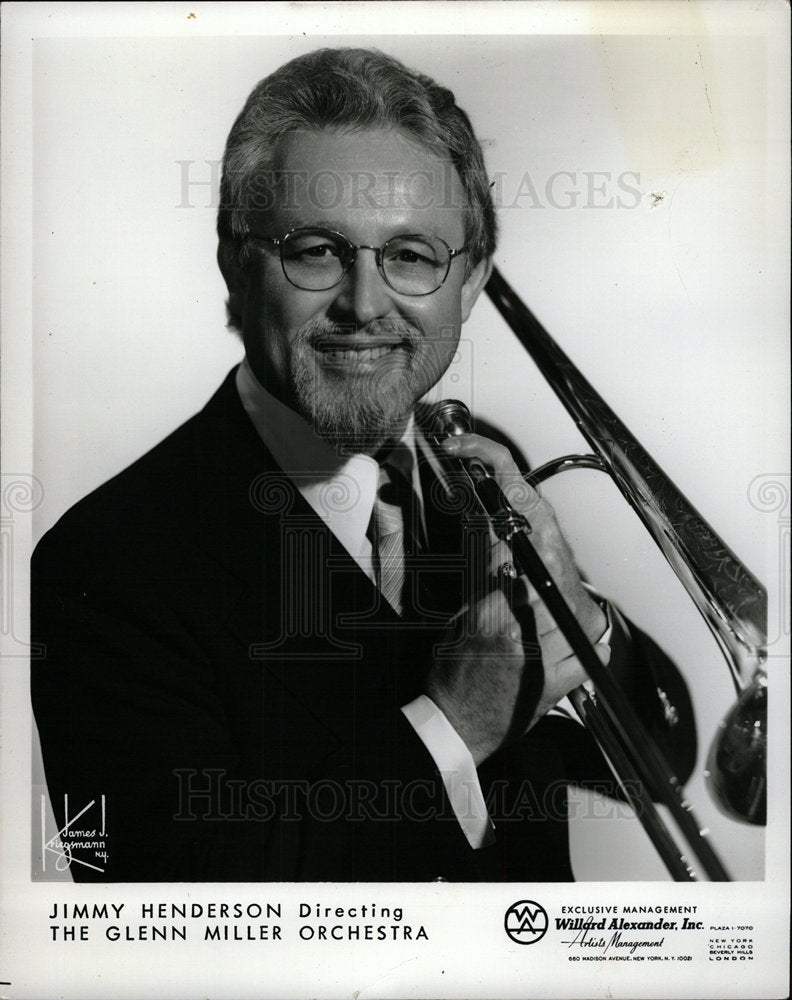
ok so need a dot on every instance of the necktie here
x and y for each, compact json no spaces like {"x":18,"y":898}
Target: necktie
{"x":394,"y":537}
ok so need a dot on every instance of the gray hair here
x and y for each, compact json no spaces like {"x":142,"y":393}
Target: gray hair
{"x":353,"y":88}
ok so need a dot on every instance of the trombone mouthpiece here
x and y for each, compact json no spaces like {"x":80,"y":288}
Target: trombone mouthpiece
{"x":449,"y":418}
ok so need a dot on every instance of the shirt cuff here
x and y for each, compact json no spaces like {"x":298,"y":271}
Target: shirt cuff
{"x":457,"y":769}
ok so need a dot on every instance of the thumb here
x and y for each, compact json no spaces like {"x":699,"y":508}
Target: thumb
{"x":603,"y":651}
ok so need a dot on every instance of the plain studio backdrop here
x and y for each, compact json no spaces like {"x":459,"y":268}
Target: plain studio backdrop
{"x":631,"y":173}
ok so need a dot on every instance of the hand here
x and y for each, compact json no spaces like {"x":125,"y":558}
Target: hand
{"x":489,"y":687}
{"x":487,"y":676}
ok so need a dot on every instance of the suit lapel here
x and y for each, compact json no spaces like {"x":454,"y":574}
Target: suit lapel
{"x":295,"y":600}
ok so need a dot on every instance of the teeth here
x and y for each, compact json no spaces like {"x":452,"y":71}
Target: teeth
{"x":358,"y":353}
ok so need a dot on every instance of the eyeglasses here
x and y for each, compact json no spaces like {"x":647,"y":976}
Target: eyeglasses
{"x":318,"y":259}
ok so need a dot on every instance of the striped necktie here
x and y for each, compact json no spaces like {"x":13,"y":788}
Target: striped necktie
{"x":393,"y":534}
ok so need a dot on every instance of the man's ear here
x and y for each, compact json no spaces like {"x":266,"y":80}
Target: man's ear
{"x":234,"y":274}
{"x":474,"y":285}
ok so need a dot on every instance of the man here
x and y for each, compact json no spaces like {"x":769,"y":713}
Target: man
{"x":270,"y":643}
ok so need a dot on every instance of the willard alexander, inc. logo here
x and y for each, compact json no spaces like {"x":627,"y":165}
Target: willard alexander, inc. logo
{"x":526,"y":922}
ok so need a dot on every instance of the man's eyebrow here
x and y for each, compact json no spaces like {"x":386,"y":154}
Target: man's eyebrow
{"x":337,"y":226}
{"x":306,"y":223}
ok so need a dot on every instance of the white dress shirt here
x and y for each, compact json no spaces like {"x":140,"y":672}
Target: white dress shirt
{"x":342,"y":490}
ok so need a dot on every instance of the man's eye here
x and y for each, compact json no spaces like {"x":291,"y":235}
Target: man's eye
{"x":318,"y":251}
{"x":409,"y":255}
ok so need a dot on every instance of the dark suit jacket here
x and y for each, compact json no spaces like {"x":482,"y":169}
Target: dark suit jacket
{"x":220,"y":669}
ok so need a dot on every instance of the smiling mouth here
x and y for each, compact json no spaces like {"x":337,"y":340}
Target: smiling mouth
{"x":346,"y":352}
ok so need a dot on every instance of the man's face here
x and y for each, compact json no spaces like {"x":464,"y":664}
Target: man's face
{"x":355,"y":358}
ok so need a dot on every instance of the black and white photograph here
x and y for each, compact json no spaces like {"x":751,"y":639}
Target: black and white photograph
{"x":395,"y":500}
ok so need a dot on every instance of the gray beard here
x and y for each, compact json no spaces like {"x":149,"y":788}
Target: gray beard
{"x":354,"y":413}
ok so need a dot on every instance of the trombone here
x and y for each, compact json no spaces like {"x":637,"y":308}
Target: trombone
{"x":731,"y":600}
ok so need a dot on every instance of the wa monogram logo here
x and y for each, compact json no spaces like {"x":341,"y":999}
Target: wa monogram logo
{"x":82,"y":840}
{"x":526,"y":922}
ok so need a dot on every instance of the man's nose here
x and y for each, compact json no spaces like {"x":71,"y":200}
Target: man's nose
{"x":363,"y":293}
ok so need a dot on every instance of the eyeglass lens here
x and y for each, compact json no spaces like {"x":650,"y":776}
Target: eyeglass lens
{"x":316,"y":259}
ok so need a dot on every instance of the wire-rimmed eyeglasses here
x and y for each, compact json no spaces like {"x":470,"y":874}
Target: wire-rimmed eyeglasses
{"x":318,"y":259}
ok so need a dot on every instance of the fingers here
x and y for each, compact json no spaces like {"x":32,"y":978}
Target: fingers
{"x":546,"y":537}
{"x":499,"y":460}
{"x":484,"y":680}
{"x":567,"y":672}
{"x":518,"y":589}
{"x":519,"y":595}
{"x":554,"y":646}
{"x":544,"y":620}
{"x":493,"y":616}
{"x":603,"y":651}
{"x":564,"y":675}
{"x":588,"y":612}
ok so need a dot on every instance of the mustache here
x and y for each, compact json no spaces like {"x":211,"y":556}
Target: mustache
{"x":320,"y":331}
